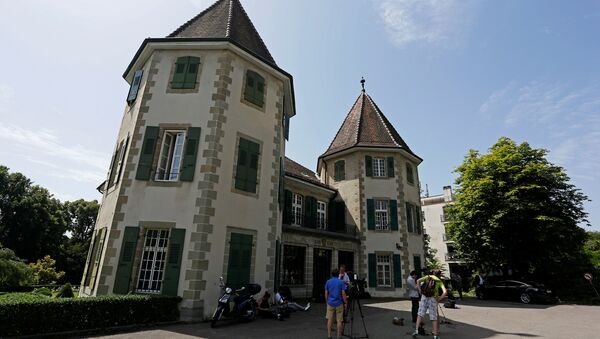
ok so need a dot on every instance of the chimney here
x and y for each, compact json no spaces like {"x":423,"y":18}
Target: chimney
{"x":448,"y":194}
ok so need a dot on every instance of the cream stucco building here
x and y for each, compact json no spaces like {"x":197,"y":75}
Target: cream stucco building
{"x":199,"y":186}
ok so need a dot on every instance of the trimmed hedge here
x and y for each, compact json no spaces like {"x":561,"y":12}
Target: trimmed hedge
{"x":28,"y":317}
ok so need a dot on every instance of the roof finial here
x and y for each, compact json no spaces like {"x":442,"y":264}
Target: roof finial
{"x":362,"y":83}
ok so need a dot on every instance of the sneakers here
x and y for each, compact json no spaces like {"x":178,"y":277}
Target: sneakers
{"x":307,"y":307}
{"x":436,"y":337}
{"x":415,"y":334}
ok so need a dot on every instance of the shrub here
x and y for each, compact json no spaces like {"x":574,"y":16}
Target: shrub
{"x":45,"y":271}
{"x":66,"y":291}
{"x":45,"y":291}
{"x":59,"y":315}
{"x":14,"y":273}
{"x":19,"y":297}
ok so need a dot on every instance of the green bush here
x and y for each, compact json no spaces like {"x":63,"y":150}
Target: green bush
{"x":19,"y":296}
{"x":43,"y":291}
{"x":66,"y":291}
{"x":59,"y":315}
{"x":14,"y":273}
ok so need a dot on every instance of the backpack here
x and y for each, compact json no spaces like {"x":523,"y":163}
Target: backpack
{"x":428,"y":287}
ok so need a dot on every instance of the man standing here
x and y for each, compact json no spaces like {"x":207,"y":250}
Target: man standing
{"x":478,"y":284}
{"x":429,"y":286}
{"x":343,"y":275}
{"x":457,"y":284}
{"x":335,"y":297}
{"x":413,"y":293}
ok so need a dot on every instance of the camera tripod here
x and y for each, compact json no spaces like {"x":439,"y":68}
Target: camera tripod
{"x":352,"y":305}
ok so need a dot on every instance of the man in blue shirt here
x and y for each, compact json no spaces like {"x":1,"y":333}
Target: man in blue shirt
{"x":335,"y":296}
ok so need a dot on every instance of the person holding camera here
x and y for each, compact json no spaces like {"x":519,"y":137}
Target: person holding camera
{"x":335,"y":297}
{"x":429,"y":287}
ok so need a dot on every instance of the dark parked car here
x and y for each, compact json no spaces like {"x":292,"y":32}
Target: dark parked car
{"x":517,"y":290}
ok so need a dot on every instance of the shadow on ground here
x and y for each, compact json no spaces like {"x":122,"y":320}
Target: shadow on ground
{"x":378,"y":316}
{"x":502,"y":304}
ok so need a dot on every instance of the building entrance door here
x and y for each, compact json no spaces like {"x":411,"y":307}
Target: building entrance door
{"x":321,"y":271}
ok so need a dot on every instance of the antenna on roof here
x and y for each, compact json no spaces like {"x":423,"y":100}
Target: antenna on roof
{"x":362,"y":83}
{"x":426,"y":191}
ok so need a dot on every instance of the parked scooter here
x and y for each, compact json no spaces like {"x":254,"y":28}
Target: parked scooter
{"x":238,"y":304}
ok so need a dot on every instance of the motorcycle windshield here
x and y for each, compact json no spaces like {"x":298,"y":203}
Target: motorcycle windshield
{"x":224,"y":298}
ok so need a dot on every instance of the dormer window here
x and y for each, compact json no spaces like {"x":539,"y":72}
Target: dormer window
{"x":186,"y":73}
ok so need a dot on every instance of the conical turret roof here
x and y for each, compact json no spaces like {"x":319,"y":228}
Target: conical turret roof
{"x":366,"y":126}
{"x":225,"y":19}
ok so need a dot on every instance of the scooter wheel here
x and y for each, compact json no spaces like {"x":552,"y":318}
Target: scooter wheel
{"x":216,"y":316}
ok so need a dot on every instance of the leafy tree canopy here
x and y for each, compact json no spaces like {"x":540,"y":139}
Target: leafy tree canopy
{"x":514,"y":209}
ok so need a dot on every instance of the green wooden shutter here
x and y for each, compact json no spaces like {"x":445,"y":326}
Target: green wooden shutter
{"x":409,"y":174}
{"x":369,"y":165}
{"x":287,"y":208}
{"x":409,"y":217}
{"x":259,"y":94}
{"x":287,"y":128}
{"x":277,"y":264}
{"x":372,"y":270}
{"x":88,"y":263}
{"x":178,"y":80}
{"x":340,"y":211}
{"x":397,"y":271}
{"x":147,"y":154}
{"x":173,"y":266}
{"x":339,"y":171}
{"x":280,"y":191}
{"x":250,"y":88}
{"x":252,"y":172}
{"x":419,"y":216}
{"x":370,"y":214}
{"x":394,"y":215}
{"x":332,"y":222}
{"x":122,"y":160}
{"x":123,"y":275}
{"x":390,"y":165}
{"x":242,"y":165}
{"x":310,"y":212}
{"x":113,"y":167}
{"x":418,"y":269}
{"x":98,"y":256}
{"x":240,"y":255}
{"x":188,"y":165}
{"x":191,"y":72}
{"x":135,"y":85}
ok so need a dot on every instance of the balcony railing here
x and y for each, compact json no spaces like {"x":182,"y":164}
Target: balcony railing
{"x":310,"y":223}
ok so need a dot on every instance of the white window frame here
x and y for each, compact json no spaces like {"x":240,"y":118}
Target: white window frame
{"x":382,"y":214}
{"x":321,"y":215}
{"x":153,"y":261}
{"x":384,"y":270}
{"x":169,"y":164}
{"x":297,"y":215}
{"x":379,"y":167}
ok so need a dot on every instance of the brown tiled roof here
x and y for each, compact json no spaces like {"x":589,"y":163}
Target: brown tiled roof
{"x":365,"y":125}
{"x":225,"y":19}
{"x":298,"y":171}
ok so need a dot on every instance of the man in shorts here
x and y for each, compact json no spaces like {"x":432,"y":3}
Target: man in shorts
{"x":429,"y":287}
{"x":335,"y":297}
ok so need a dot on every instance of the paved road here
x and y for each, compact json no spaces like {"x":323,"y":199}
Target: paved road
{"x":475,"y":319}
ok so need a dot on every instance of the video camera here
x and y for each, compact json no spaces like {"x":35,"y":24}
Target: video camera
{"x":357,"y":286}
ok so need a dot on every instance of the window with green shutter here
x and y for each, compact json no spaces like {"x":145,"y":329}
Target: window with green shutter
{"x":186,"y":72}
{"x":246,"y":176}
{"x":409,"y":174}
{"x":254,"y":90}
{"x":393,"y":215}
{"x":126,"y":257}
{"x":188,"y":165}
{"x":409,"y":217}
{"x":135,"y":86}
{"x":370,"y":214}
{"x":369,"y":165}
{"x":240,"y":257}
{"x":390,"y":165}
{"x":339,"y":170}
{"x":147,"y":154}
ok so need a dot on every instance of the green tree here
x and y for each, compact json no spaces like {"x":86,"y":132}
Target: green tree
{"x":81,"y":215}
{"x":45,"y":271}
{"x":431,"y":260}
{"x":592,"y":248}
{"x":32,"y":222}
{"x":13,"y":271}
{"x":514,"y":209}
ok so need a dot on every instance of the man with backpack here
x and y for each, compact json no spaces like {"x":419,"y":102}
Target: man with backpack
{"x":429,"y":286}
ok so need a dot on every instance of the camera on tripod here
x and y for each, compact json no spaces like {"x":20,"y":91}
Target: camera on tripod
{"x":357,"y":288}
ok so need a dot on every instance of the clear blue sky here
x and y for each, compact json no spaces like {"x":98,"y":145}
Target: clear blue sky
{"x":450,"y":75}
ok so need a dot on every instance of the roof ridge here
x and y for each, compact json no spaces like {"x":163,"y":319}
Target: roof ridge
{"x":342,"y":125}
{"x":255,"y":32}
{"x":360,"y":117}
{"x":229,"y":18}
{"x":189,"y":22}
{"x":380,"y":114}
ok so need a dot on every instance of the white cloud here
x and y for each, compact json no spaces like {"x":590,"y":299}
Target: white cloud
{"x":568,"y":115}
{"x":439,"y":22}
{"x":6,"y":93}
{"x":46,"y":142}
